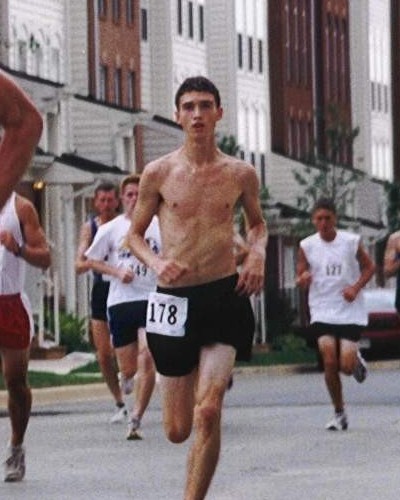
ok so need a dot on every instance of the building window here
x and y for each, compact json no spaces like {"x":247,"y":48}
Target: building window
{"x":22,"y":56}
{"x":103,"y":90}
{"x":385,"y":99}
{"x":373,"y":105}
{"x":260,"y":57}
{"x":262,"y":168}
{"x":52,"y":133}
{"x":240,"y":50}
{"x":38,"y":61}
{"x":131,"y":89}
{"x":143,"y":17}
{"x":379,"y":88}
{"x":190,"y":19}
{"x":128,"y":153}
{"x":102,"y":8}
{"x":118,"y":86}
{"x":250,"y":52}
{"x":129,"y":12}
{"x":201,"y":23}
{"x":180,"y":18}
{"x":55,"y":66}
{"x":116,"y":10}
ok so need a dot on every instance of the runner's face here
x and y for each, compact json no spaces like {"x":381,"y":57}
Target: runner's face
{"x":198,"y":113}
{"x":325,"y":223}
{"x":106,"y":203}
{"x":129,"y":197}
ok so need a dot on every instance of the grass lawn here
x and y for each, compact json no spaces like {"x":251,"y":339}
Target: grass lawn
{"x":286,"y":357}
{"x":90,"y":373}
{"x":87,"y":375}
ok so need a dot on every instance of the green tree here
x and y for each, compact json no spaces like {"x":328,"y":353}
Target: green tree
{"x":228,"y":145}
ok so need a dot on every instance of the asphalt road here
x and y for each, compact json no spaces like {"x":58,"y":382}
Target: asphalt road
{"x":274,"y":445}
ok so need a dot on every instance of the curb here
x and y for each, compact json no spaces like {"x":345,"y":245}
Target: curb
{"x":96,"y":391}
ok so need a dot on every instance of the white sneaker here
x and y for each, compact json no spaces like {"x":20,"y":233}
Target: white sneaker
{"x":133,"y":427}
{"x":120,"y":415}
{"x":360,"y":371}
{"x":338,"y":422}
{"x":14,"y":466}
{"x":126,"y":384}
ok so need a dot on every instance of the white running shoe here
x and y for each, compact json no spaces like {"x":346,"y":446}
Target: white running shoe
{"x":133,"y":427}
{"x":14,"y":466}
{"x":338,"y":422}
{"x":360,"y":371}
{"x":120,"y":415}
{"x":126,"y":384}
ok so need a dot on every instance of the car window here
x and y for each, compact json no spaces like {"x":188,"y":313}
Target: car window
{"x":380,"y":299}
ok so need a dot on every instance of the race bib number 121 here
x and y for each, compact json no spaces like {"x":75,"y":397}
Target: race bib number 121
{"x":166,"y":314}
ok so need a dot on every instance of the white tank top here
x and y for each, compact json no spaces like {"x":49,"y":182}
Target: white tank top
{"x":12,"y":268}
{"x":333,"y":266}
{"x":110,"y":241}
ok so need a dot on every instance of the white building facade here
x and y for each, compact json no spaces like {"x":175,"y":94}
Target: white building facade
{"x":44,"y":43}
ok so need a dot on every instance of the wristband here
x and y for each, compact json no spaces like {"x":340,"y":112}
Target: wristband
{"x":20,"y":248}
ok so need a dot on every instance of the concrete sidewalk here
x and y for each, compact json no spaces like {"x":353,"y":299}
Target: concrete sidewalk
{"x":64,"y":365}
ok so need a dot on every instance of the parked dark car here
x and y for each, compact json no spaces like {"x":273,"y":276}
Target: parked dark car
{"x":381,"y":338}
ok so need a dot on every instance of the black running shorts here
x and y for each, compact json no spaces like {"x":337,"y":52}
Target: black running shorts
{"x":216,"y":314}
{"x":98,"y":300}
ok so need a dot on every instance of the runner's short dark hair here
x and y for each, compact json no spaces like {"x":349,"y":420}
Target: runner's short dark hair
{"x":325,"y":204}
{"x":197,"y":84}
{"x":106,"y":186}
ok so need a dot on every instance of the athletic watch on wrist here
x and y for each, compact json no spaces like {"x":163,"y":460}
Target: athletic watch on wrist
{"x":19,"y":250}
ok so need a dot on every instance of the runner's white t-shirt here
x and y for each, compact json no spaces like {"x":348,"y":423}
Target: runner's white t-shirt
{"x":110,"y":241}
{"x":334,"y":266}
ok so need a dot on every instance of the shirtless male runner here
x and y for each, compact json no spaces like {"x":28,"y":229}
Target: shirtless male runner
{"x":200,"y":319}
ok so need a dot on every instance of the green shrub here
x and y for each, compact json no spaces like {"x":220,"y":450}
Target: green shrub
{"x":73,"y":333}
{"x":289,"y":342}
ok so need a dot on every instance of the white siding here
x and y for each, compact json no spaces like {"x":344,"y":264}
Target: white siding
{"x":159,"y":20}
{"x":95,"y":130}
{"x":370,"y":75}
{"x":159,"y":140}
{"x":77,"y":24}
{"x":221,"y":60}
{"x":38,"y":26}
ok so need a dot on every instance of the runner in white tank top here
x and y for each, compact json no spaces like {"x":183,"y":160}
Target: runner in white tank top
{"x":21,"y":240}
{"x":334,"y":266}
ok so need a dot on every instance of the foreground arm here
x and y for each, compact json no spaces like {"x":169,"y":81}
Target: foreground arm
{"x":303,"y":279}
{"x":367,"y":270}
{"x":81,"y":263}
{"x":35,"y":249}
{"x":391,"y":261}
{"x":251,"y":276}
{"x":168,"y":270}
{"x":22,"y":128}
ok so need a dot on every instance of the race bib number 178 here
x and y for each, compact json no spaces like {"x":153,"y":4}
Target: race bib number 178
{"x":166,"y":314}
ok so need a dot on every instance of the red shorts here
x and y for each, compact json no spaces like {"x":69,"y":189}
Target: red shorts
{"x":14,"y":323}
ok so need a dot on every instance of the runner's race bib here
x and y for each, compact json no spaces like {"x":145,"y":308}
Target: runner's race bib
{"x":166,"y":314}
